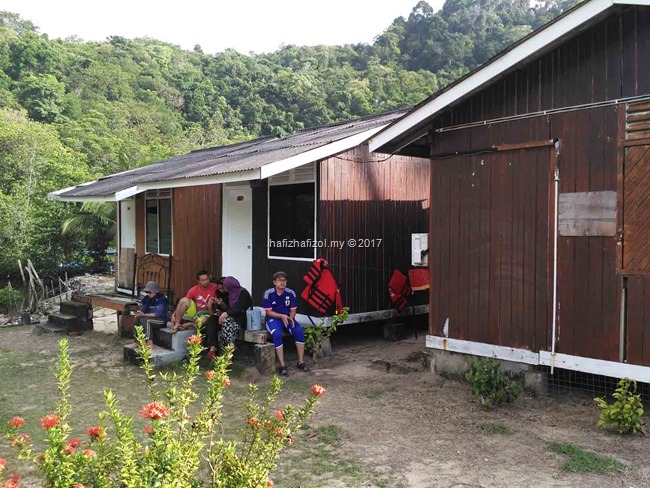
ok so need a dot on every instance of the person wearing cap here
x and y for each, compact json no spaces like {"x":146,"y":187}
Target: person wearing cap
{"x":280,"y":306}
{"x":153,"y":310}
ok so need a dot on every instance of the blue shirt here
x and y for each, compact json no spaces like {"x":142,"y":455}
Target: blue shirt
{"x":157,"y":305}
{"x":282,"y":304}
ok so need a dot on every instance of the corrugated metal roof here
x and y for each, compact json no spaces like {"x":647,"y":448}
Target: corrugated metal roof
{"x":230,"y":159}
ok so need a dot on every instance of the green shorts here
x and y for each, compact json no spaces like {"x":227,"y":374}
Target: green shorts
{"x":192,"y":314}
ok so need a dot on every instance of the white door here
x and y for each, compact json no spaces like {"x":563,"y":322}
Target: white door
{"x":126,"y":246}
{"x":238,"y":233}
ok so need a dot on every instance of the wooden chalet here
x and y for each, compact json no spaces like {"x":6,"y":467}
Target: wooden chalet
{"x":540,"y":202}
{"x":228,"y":210}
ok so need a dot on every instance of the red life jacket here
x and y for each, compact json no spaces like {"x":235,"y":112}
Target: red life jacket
{"x":399,"y":289}
{"x":321,"y":290}
{"x":419,"y":278}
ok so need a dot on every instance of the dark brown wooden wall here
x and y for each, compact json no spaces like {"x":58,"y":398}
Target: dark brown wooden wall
{"x":588,"y":282}
{"x":638,"y":319}
{"x":360,"y":196}
{"x":196,"y":233}
{"x":607,"y":62}
{"x":369,"y":197}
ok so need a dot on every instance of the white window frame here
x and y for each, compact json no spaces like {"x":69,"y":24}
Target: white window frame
{"x":165,"y":194}
{"x":294,"y":179}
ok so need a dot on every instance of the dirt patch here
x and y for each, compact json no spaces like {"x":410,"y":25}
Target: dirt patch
{"x":384,"y":422}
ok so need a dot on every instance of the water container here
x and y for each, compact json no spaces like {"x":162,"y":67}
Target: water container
{"x":254,"y":318}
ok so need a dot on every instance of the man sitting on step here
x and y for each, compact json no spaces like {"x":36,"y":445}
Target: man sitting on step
{"x":153,"y":310}
{"x":197,"y":304}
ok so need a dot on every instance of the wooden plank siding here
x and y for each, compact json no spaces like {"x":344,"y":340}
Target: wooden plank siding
{"x":374,"y":196}
{"x":492,"y":272}
{"x":196,"y":233}
{"x":606,"y":62}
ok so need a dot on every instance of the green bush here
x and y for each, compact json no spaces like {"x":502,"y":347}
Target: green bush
{"x":183,"y":446}
{"x":9,"y":299}
{"x":625,"y":413}
{"x":491,"y":384}
{"x":314,"y":336}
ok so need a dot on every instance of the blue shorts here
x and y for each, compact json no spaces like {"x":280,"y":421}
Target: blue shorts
{"x":276,"y":328}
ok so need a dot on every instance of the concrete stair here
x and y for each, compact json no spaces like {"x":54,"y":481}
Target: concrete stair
{"x":168,"y":348}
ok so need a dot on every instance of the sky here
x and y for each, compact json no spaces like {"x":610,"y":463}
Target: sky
{"x":244,"y":25}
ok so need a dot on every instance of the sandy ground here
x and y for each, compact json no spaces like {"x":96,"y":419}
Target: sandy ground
{"x":416,"y":428}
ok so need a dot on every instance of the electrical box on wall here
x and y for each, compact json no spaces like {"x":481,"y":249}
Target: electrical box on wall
{"x":419,"y":249}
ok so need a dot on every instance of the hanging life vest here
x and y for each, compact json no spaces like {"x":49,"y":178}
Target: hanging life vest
{"x":399,"y":289}
{"x":321,"y":290}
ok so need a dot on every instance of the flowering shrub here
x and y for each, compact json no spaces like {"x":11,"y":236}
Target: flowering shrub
{"x":176,"y":440}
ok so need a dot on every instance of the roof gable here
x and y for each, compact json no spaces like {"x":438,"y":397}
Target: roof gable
{"x":414,"y":125}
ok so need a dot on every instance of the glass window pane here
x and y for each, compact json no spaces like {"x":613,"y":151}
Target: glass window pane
{"x":165,"y":223}
{"x":152,"y":226}
{"x":292,"y":218}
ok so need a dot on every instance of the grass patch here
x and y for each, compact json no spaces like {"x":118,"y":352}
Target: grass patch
{"x":582,"y":461}
{"x":329,"y":434}
{"x":372,"y":393}
{"x":494,"y":428}
{"x":296,"y":385}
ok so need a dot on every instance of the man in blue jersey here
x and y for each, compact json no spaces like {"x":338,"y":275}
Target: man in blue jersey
{"x":280,"y":306}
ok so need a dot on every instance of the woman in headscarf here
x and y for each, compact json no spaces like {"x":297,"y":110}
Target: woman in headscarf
{"x":234,"y":318}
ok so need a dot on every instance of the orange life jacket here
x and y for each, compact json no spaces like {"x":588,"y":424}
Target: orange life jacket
{"x":321,"y":290}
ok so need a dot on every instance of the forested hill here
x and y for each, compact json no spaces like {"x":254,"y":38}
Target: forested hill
{"x":74,"y":110}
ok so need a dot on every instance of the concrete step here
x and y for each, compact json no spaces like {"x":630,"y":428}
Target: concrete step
{"x":78,"y":309}
{"x":160,"y":356}
{"x":71,"y":323}
{"x":166,"y":338}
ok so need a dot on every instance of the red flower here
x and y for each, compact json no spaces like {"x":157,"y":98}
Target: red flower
{"x":79,"y":485}
{"x":318,"y":390}
{"x":226,"y":382}
{"x":154,"y":411}
{"x":279,"y":432}
{"x":194,"y":340}
{"x":50,"y":421}
{"x":96,"y":432}
{"x":16,"y":422}
{"x":67,"y":450}
{"x":41,"y":458}
{"x":3,"y":463}
{"x":89,"y":453}
{"x":269,"y":483}
{"x":252,"y":422}
{"x":278,"y":415}
{"x":21,"y":439}
{"x":74,"y":442}
{"x":209,"y":374}
{"x":13,"y":482}
{"x":148,"y":430}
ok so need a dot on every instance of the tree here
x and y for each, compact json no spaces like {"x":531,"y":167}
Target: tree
{"x":94,"y":224}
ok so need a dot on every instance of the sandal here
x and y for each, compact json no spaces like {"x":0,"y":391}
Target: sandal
{"x":303,"y":367}
{"x":282,"y":371}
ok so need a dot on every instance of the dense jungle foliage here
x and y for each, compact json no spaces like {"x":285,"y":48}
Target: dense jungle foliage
{"x":71,"y":111}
